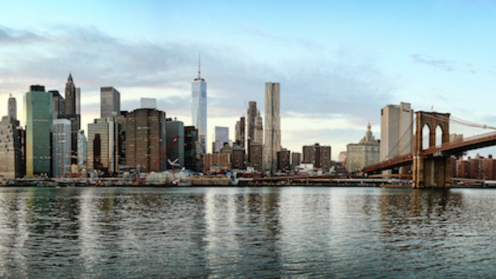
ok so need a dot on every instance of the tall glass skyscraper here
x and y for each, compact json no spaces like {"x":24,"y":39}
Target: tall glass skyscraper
{"x":38,"y":109}
{"x":199,"y":109}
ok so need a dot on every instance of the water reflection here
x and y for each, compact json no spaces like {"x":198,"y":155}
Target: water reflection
{"x":246,"y":232}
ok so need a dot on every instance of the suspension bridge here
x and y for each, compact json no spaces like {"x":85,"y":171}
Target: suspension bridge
{"x":431,"y":165}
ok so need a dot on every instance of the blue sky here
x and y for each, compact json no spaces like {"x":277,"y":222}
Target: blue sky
{"x":338,"y":62}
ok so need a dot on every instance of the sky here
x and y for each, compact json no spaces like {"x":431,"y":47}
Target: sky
{"x":338,"y":62}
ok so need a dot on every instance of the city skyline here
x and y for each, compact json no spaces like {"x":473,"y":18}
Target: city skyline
{"x":350,"y":59}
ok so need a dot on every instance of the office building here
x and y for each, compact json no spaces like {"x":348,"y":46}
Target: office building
{"x":364,"y":153}
{"x":396,"y":131}
{"x":251,"y":117}
{"x":256,"y":156}
{"x":238,"y":157}
{"x":221,"y":137}
{"x":176,"y":152}
{"x":199,"y":109}
{"x":102,"y":154}
{"x":240,"y":132}
{"x":146,"y":140}
{"x":58,"y":104}
{"x":272,"y":142}
{"x":61,"y":147}
{"x":110,"y":102}
{"x":11,"y":165}
{"x":258,"y":132}
{"x":12,"y":107}
{"x":38,"y":109}
{"x":192,"y":160}
{"x":82,"y":150}
{"x":148,"y":103}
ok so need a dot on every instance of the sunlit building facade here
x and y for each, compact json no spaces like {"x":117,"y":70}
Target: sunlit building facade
{"x":272,"y":142}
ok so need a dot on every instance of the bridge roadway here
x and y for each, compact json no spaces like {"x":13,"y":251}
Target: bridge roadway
{"x":449,"y":148}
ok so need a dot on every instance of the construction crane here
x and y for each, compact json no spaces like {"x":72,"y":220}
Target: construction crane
{"x":162,"y":155}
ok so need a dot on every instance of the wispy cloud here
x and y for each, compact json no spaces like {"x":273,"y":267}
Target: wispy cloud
{"x":255,"y":31}
{"x":441,"y":64}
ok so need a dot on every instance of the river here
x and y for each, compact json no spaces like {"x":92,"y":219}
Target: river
{"x":293,"y":232}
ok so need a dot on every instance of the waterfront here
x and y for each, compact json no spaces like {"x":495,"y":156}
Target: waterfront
{"x":246,"y":232}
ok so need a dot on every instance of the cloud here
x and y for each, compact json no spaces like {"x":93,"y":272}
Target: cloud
{"x":12,"y":37}
{"x":291,"y":40}
{"x":437,"y":63}
{"x":324,"y":86}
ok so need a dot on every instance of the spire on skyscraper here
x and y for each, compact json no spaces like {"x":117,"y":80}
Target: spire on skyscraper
{"x":199,"y":65}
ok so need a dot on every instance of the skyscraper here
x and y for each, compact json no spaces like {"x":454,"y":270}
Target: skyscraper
{"x":258,"y":133}
{"x":110,"y":102}
{"x":251,"y":117}
{"x":38,"y":120}
{"x":175,"y":129}
{"x":272,"y":140}
{"x":199,"y":108}
{"x":396,"y":131}
{"x":12,"y":107}
{"x":58,"y":105}
{"x":240,"y":132}
{"x":70,"y":96}
{"x":61,"y":147}
{"x":146,"y":139}
{"x":72,"y":107}
{"x":102,"y":151}
{"x":10,"y":149}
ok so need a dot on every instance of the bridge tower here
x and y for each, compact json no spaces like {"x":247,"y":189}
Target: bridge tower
{"x":432,"y":171}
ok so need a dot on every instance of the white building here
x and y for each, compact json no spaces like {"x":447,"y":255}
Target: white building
{"x":61,"y":147}
{"x":199,"y":110}
{"x":396,"y":131}
{"x":364,"y":153}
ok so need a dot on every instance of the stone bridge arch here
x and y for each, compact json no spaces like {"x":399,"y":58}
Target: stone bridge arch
{"x":431,"y":172}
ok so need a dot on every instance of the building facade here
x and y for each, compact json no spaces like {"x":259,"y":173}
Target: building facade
{"x":12,"y":107}
{"x":240,"y":132}
{"x":272,"y":142}
{"x":176,"y":152}
{"x":284,"y":160}
{"x":110,"y":102}
{"x":318,"y":155}
{"x":256,"y":156}
{"x":364,"y":153}
{"x":38,"y":109}
{"x":82,"y":150}
{"x":396,"y":131}
{"x":192,"y":160}
{"x":295,"y":159}
{"x":102,"y":146}
{"x":199,"y":109}
{"x":221,"y":137}
{"x":61,"y":147}
{"x":146,"y":140}
{"x":10,"y":149}
{"x":58,"y":105}
{"x":258,"y":133}
{"x":222,"y":160}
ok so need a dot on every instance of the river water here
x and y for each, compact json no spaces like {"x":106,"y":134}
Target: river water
{"x":292,"y":232}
